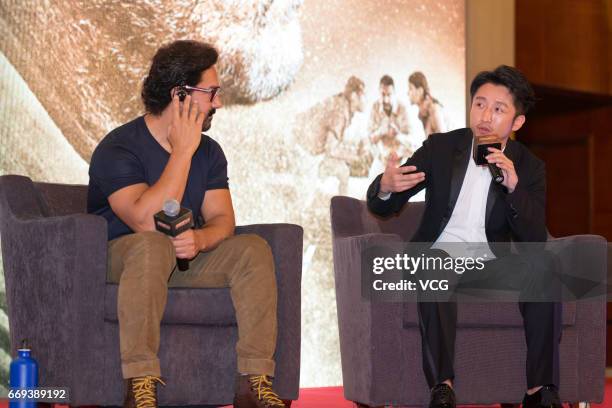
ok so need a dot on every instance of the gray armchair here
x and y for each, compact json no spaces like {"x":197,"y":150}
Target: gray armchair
{"x":380,"y":343}
{"x":54,"y":259}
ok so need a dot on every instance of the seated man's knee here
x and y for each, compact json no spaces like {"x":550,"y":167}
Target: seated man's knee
{"x":256,"y":249}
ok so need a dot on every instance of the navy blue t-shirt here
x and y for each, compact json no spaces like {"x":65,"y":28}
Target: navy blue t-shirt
{"x":130,"y":155}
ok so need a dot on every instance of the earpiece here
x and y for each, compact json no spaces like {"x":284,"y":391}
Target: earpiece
{"x":182,"y":93}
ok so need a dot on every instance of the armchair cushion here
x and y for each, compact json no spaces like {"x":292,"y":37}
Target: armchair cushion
{"x":62,"y":199}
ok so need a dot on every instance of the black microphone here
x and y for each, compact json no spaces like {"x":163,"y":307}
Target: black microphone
{"x":481,"y":150}
{"x":172,"y":220}
{"x":496,"y":173}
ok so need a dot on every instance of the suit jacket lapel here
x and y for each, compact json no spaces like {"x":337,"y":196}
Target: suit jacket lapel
{"x":461,"y":158}
{"x":491,"y":198}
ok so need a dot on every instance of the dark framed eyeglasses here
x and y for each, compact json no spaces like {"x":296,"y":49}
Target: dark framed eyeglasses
{"x":214,"y":91}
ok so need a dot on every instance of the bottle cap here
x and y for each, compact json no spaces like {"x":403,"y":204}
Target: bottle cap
{"x":24,"y":346}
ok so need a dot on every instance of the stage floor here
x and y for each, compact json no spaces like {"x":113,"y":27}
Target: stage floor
{"x":332,"y":397}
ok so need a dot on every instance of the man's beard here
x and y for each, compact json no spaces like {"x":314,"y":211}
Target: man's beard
{"x":208,"y":121}
{"x":387,"y":108}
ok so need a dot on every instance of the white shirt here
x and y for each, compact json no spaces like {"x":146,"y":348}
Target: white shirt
{"x":467,"y":222}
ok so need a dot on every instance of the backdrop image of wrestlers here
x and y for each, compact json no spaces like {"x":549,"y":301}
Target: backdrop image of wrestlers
{"x":316,"y":93}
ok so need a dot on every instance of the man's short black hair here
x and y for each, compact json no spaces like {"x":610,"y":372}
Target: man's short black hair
{"x":178,"y":63}
{"x":386,"y":80}
{"x":513,"y":79}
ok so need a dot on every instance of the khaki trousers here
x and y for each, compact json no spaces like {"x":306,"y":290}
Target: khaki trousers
{"x":144,"y":265}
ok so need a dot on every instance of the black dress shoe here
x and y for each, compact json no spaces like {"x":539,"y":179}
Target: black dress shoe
{"x":442,"y":396}
{"x":547,"y":396}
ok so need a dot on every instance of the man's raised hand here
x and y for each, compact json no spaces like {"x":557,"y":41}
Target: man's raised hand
{"x":396,"y":179}
{"x":186,"y":128}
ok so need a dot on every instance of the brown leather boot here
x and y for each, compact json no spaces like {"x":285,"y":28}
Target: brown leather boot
{"x":141,"y":392}
{"x":255,"y":391}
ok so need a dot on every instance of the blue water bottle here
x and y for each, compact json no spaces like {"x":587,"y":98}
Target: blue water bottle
{"x":24,"y":375}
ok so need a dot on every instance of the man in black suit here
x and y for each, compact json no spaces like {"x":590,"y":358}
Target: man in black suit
{"x":463,"y":204}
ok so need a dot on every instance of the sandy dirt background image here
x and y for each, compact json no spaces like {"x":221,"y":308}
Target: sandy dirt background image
{"x":70,"y":71}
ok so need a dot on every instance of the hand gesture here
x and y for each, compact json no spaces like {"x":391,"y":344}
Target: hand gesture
{"x":396,"y":179}
{"x":185,"y":130}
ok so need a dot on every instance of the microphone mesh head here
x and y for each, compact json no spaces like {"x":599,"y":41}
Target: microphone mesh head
{"x":171,"y":208}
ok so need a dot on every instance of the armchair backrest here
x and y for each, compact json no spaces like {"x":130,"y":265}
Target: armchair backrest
{"x":22,"y":199}
{"x":63,"y":199}
{"x":350,"y":217}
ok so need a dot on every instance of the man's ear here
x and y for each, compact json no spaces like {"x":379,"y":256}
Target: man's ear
{"x":518,"y":122}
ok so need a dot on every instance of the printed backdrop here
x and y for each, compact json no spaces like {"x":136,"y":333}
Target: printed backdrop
{"x":299,"y":125}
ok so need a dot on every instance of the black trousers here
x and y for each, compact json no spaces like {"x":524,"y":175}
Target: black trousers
{"x":541,"y":320}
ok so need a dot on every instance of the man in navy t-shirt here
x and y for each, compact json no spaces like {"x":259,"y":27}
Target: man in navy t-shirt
{"x":164,"y":155}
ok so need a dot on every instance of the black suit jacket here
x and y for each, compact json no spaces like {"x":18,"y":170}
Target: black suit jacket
{"x":519,"y":216}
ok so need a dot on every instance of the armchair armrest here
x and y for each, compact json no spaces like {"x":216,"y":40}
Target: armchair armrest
{"x":592,"y":251}
{"x":582,"y":256}
{"x":55,"y":272}
{"x":369,"y":331}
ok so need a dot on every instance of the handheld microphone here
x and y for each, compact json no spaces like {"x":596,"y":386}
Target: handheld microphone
{"x":480,"y":151}
{"x":172,"y":220}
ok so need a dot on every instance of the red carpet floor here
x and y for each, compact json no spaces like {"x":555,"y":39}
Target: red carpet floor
{"x":332,"y":397}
